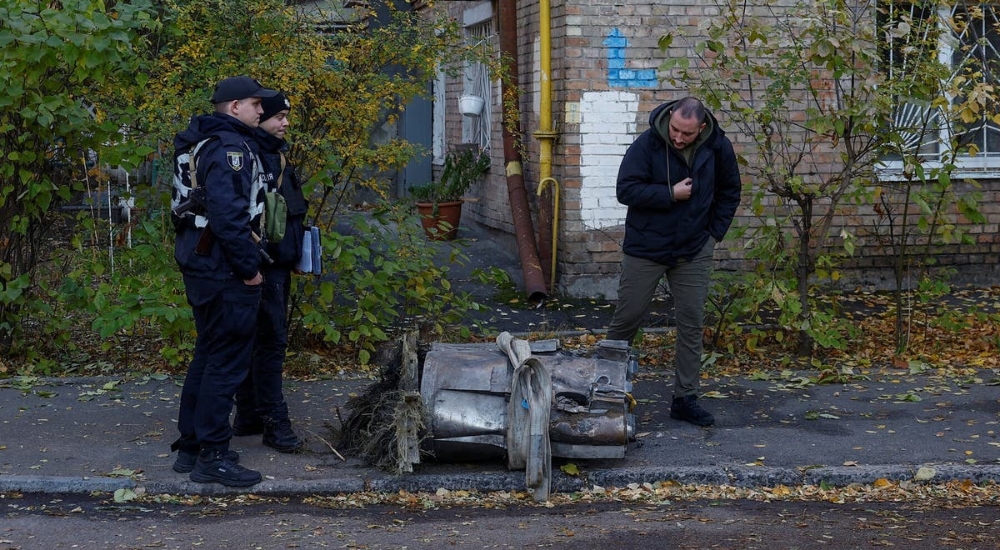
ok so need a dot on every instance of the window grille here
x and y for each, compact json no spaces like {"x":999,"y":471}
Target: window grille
{"x":965,"y":33}
{"x":477,"y":81}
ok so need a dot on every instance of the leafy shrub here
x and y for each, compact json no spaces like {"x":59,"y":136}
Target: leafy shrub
{"x":381,"y":276}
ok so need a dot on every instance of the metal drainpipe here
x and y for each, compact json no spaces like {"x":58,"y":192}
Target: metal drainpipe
{"x":524,"y":230}
{"x":547,"y":211}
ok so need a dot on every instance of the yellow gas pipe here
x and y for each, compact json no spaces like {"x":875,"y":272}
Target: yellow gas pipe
{"x":555,"y":227}
{"x":545,"y":133}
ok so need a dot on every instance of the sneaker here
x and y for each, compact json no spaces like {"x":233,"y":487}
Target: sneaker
{"x":687,"y":409}
{"x":279,"y":436}
{"x":186,"y":459}
{"x":244,"y":424}
{"x":214,"y":466}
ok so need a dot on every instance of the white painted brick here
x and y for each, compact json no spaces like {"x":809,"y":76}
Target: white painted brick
{"x":610,"y":139}
{"x":611,"y":203}
{"x":588,"y":203}
{"x":606,"y":170}
{"x":601,"y":149}
{"x":607,"y":122}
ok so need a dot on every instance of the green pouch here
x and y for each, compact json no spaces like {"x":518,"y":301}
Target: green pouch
{"x":275,"y":216}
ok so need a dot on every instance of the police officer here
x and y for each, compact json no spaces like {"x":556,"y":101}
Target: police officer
{"x":221,"y":266}
{"x":260,"y":404}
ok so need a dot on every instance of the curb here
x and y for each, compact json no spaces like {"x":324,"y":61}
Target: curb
{"x":747,"y":477}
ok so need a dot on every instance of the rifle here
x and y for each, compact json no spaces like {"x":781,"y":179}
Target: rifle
{"x":260,"y":248}
{"x":196,"y":202}
{"x":195,"y":199}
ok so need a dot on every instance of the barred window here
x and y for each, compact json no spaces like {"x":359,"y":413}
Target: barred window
{"x":963,"y":35}
{"x":477,"y":82}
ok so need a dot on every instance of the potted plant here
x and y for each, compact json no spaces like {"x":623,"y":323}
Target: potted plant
{"x":439,"y":203}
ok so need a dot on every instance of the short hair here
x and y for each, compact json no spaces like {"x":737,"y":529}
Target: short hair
{"x":690,"y":107}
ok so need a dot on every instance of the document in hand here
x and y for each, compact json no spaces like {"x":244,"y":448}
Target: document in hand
{"x":312,"y":252}
{"x":317,"y":246}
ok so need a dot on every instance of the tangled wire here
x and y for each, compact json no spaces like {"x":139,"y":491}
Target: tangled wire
{"x":385,"y":426}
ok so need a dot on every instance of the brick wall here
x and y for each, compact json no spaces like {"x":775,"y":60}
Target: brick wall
{"x":605,"y":60}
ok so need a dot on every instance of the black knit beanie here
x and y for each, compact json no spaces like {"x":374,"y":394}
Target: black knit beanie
{"x":274,"y":105}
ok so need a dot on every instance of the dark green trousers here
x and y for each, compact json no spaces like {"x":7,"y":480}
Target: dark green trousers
{"x":688,"y":283}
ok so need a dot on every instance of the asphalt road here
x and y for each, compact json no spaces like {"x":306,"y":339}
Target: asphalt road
{"x":77,"y":521}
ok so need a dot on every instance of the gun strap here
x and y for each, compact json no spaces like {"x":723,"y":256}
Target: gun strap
{"x":193,"y":170}
{"x":192,"y":165}
{"x":281,"y":174}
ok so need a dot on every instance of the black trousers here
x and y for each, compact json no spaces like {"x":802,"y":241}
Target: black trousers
{"x":224,"y":315}
{"x":260,"y":396}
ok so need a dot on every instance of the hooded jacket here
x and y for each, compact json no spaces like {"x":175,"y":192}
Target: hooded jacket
{"x":287,"y":252}
{"x":657,"y":227}
{"x":229,"y":171}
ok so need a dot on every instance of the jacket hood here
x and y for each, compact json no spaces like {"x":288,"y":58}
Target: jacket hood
{"x":202,"y":127}
{"x":659,"y":121}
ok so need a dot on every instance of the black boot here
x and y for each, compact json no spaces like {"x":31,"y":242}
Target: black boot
{"x":279,"y":436}
{"x":187,"y":454}
{"x":247,"y":423}
{"x":187,"y":458}
{"x":213,"y":466}
{"x":687,"y":409}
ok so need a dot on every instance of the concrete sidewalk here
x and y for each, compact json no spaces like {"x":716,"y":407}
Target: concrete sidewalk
{"x":82,"y":435}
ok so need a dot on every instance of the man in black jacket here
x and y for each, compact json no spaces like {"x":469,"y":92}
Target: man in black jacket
{"x":260,"y":403}
{"x":220,"y":263}
{"x":681,"y":183}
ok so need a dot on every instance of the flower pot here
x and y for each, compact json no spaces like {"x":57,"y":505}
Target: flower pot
{"x":471,"y":105}
{"x":442,"y":224}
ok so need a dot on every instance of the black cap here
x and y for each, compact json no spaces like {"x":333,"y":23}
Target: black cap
{"x":274,"y":105}
{"x":240,"y":87}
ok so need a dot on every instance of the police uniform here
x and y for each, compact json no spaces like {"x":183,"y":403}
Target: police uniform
{"x":260,"y":403}
{"x":224,"y":307}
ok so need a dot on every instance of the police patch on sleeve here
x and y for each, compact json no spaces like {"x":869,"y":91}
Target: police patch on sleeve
{"x":235,"y":159}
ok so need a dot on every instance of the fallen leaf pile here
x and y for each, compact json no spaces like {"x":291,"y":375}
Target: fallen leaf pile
{"x":931,"y":495}
{"x":952,"y":493}
{"x":958,"y":337}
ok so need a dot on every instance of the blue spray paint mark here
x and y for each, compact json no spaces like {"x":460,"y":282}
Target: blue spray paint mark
{"x":618,"y":75}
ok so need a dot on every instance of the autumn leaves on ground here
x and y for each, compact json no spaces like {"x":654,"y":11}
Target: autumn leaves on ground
{"x":960,"y":335}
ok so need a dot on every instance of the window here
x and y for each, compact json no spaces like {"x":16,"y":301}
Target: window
{"x":967,"y":36}
{"x":476,"y":82}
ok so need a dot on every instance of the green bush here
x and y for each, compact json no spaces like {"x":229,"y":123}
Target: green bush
{"x":59,"y":60}
{"x":131,"y":298}
{"x":383,"y":277}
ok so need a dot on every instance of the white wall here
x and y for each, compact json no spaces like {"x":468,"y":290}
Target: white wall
{"x":607,"y":128}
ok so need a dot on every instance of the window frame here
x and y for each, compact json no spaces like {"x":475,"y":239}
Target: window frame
{"x":984,"y":164}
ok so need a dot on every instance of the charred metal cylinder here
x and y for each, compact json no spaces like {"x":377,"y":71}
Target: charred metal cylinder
{"x":466,"y":389}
